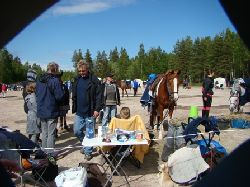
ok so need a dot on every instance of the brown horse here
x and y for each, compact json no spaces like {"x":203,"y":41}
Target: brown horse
{"x":124,"y":86}
{"x":166,"y":95}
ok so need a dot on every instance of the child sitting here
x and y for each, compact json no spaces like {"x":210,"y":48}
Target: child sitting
{"x":124,"y":113}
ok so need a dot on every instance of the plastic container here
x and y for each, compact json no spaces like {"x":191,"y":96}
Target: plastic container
{"x":99,"y":132}
{"x":104,"y":130}
{"x":90,"y":128}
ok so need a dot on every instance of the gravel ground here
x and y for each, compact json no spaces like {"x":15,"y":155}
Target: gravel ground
{"x":13,"y":116}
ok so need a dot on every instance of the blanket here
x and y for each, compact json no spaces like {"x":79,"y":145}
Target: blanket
{"x":131,"y":124}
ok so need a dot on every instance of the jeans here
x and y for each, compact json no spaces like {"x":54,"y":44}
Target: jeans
{"x":79,"y":126}
{"x":108,"y":113}
{"x":48,"y":133}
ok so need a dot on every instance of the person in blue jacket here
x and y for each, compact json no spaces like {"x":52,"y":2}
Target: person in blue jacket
{"x":146,"y":98}
{"x":49,"y":94}
{"x":135,"y":86}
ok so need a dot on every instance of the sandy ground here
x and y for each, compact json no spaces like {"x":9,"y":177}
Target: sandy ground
{"x":13,"y":116}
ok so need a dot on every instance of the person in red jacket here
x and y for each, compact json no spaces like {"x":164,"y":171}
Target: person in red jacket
{"x":4,"y":90}
{"x":207,"y":92}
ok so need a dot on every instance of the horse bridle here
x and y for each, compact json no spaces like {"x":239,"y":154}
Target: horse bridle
{"x":170,"y":93}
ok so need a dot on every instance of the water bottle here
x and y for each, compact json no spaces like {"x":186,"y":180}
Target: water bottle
{"x":90,"y":131}
{"x":99,"y":132}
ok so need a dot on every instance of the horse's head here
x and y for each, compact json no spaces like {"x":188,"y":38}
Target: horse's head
{"x":238,"y":86}
{"x":172,"y":78}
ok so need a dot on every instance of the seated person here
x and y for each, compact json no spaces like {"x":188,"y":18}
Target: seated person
{"x":131,"y":124}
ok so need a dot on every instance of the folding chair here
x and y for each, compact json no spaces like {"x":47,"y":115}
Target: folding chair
{"x":38,"y":168}
{"x":27,"y":154}
{"x":32,"y":171}
{"x":211,"y":150}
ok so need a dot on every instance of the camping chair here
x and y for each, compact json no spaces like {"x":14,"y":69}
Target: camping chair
{"x":29,"y":155}
{"x":35,"y":166}
{"x":135,"y":123}
{"x":211,"y":150}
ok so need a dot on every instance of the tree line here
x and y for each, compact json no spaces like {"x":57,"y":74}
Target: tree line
{"x":225,"y":53}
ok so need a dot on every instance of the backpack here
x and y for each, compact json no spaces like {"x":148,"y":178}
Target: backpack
{"x":96,"y":174}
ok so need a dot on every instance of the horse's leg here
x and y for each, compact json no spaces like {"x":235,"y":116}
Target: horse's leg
{"x":152,"y":117}
{"x":240,"y":109}
{"x":160,"y":121}
{"x":122,"y":93}
{"x":126,"y":92}
{"x":170,"y":111}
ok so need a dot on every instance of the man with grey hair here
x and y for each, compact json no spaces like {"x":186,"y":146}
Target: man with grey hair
{"x":49,"y":93}
{"x":86,"y":103}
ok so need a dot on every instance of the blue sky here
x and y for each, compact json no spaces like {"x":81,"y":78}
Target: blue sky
{"x":105,"y":24}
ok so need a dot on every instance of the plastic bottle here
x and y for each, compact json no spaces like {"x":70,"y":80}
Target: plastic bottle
{"x":99,"y":132}
{"x":90,"y":131}
{"x":104,"y":131}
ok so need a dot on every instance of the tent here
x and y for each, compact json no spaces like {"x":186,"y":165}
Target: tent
{"x":220,"y":82}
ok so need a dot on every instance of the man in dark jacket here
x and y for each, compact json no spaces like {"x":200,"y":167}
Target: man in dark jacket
{"x":207,"y":92}
{"x":49,"y":94}
{"x":86,"y":103}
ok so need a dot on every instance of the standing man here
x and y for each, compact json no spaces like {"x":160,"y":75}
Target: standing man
{"x":207,"y":92}
{"x":86,"y":103}
{"x":135,"y":86}
{"x":49,"y":94}
{"x":111,"y":98}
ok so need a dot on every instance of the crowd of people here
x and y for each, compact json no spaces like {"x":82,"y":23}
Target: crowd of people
{"x":47,"y":102}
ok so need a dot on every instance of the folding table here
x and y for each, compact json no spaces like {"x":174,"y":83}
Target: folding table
{"x":98,"y":142}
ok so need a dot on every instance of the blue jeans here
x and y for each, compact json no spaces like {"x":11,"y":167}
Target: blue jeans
{"x":108,"y":113}
{"x":48,"y":133}
{"x":79,"y":127}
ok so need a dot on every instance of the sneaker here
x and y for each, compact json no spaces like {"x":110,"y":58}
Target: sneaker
{"x":88,"y":157}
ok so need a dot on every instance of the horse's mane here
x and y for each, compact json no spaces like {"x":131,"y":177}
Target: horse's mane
{"x":172,"y":73}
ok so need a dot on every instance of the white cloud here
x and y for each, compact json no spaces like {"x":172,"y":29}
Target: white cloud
{"x":88,"y":6}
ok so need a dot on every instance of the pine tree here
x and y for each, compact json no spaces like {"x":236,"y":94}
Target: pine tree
{"x":88,"y":59}
{"x":77,"y":56}
{"x":114,"y":55}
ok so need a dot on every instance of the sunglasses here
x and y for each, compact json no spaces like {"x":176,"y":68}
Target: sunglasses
{"x":82,"y":71}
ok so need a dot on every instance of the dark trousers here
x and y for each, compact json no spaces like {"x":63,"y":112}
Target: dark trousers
{"x":206,"y":105}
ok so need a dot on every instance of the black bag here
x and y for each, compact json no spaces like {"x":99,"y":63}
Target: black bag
{"x":96,"y":175}
{"x":48,"y":173}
